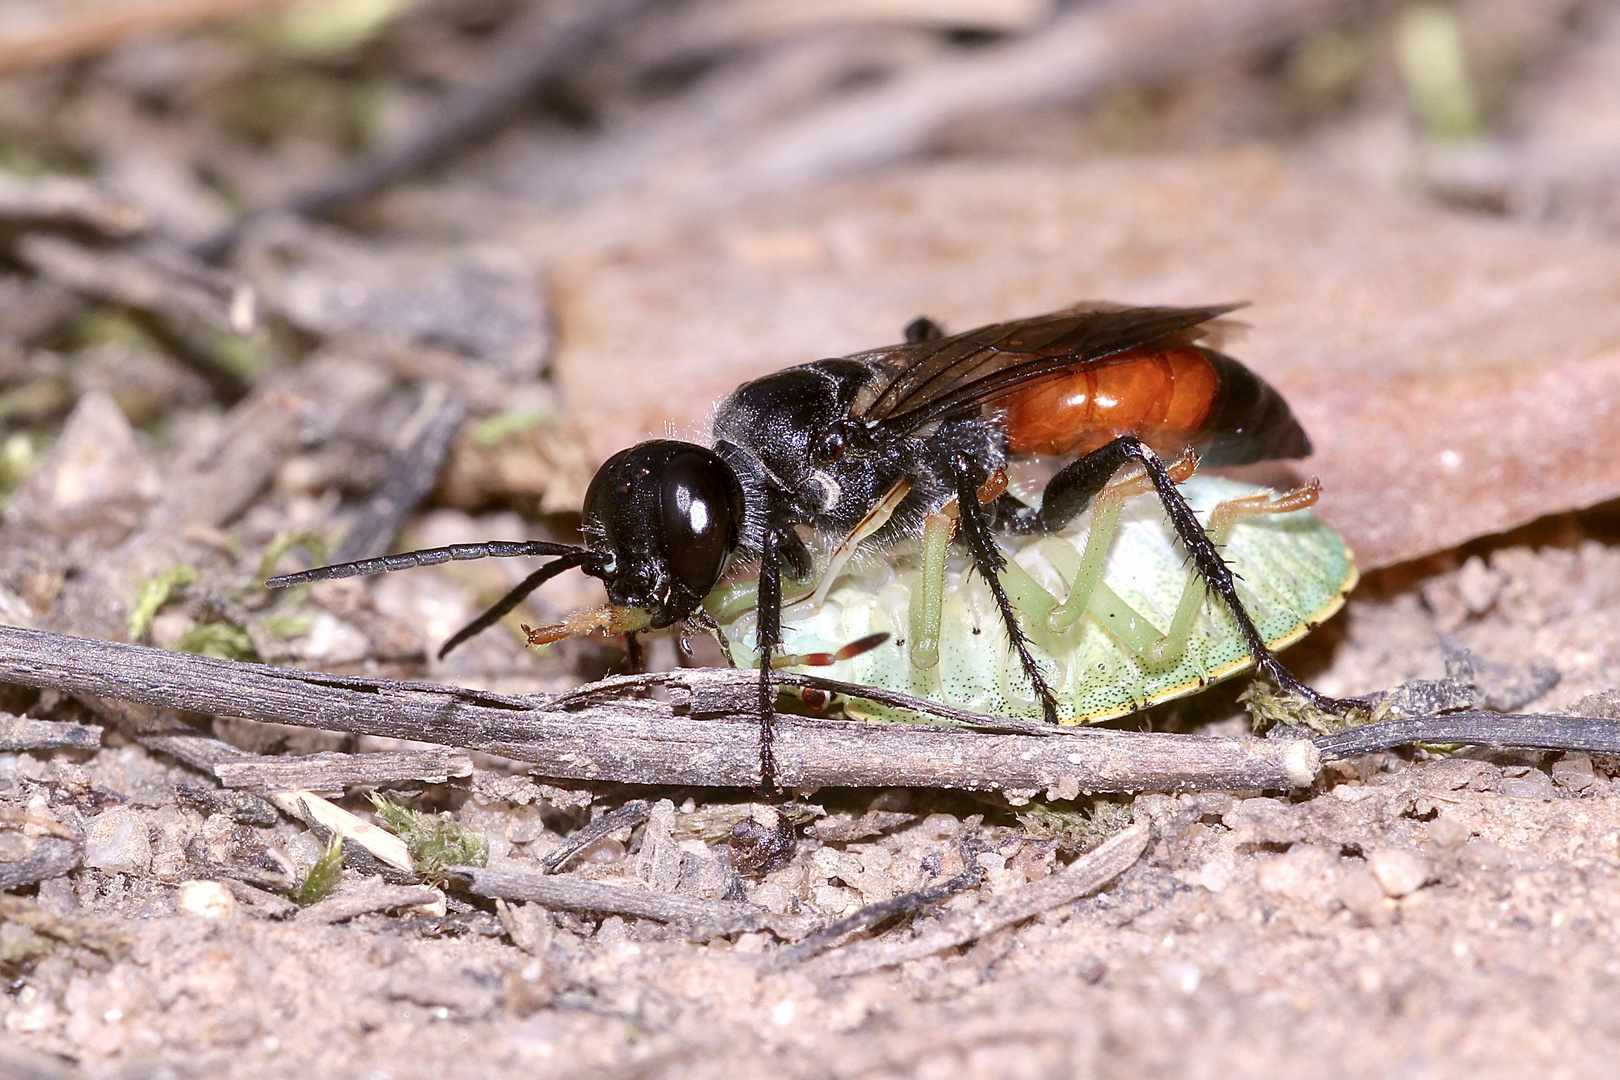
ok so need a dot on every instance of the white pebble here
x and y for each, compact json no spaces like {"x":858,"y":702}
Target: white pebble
{"x":208,"y":899}
{"x":1399,"y":872}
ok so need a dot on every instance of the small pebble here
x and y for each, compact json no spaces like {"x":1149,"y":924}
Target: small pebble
{"x":117,"y":842}
{"x":208,"y":899}
{"x":1573,"y":771}
{"x":1399,"y":872}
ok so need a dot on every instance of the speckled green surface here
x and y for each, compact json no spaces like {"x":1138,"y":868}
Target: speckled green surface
{"x":1292,"y":570}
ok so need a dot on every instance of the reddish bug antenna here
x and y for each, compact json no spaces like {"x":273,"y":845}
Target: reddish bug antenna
{"x":828,"y":659}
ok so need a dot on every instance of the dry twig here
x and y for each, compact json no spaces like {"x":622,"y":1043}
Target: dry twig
{"x":873,"y":915}
{"x":74,"y":33}
{"x":628,"y":816}
{"x":338,"y":772}
{"x":1085,"y":875}
{"x":699,"y":918}
{"x":22,"y":733}
{"x":425,"y":444}
{"x":706,"y":734}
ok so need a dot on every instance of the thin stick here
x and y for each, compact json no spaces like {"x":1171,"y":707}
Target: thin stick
{"x":532,"y":52}
{"x":701,"y":918}
{"x":411,"y":475}
{"x":1085,"y":875}
{"x":1539,"y":731}
{"x":337,"y":772}
{"x":705,"y":734}
{"x":875,"y":914}
{"x":21,"y":733}
{"x":628,"y":816}
{"x":75,"y":33}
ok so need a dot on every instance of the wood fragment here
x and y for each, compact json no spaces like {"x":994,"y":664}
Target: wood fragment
{"x":1085,"y":875}
{"x":52,"y":856}
{"x":628,"y":816}
{"x":261,"y":901}
{"x":22,"y":733}
{"x":375,"y":896}
{"x":332,"y":772}
{"x":1539,"y":731}
{"x":180,"y":300}
{"x":411,"y":475}
{"x":66,"y":200}
{"x":873,"y":915}
{"x":531,"y":52}
{"x":699,"y":918}
{"x":311,"y":808}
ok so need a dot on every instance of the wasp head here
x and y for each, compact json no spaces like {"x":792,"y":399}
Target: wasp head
{"x":665,"y":518}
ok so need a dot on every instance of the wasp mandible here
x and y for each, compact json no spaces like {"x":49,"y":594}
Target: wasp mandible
{"x":912,"y":439}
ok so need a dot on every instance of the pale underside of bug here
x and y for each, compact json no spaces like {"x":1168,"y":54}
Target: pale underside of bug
{"x":1114,"y":613}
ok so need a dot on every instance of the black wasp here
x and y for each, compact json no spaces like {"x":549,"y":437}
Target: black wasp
{"x":864,"y":448}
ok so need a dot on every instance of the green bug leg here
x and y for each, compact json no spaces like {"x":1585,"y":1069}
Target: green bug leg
{"x":1104,"y":521}
{"x":929,"y":597}
{"x":1168,"y":650}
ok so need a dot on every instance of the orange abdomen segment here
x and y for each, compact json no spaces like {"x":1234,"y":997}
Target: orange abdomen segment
{"x":1163,"y":398}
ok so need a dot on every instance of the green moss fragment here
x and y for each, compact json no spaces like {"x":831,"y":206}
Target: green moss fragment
{"x":220,"y":640}
{"x":494,"y":430}
{"x":1269,"y":707}
{"x":1076,"y":826}
{"x":154,"y":593}
{"x":435,"y":842}
{"x":322,"y":878}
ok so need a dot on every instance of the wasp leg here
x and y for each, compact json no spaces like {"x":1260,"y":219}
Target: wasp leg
{"x":1068,"y":493}
{"x":502,"y":607}
{"x":927,"y":601}
{"x":768,"y":639}
{"x":989,"y":561}
{"x":1168,"y":650}
{"x":632,"y":653}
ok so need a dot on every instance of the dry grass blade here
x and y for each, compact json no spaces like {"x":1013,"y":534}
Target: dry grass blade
{"x":1085,"y":875}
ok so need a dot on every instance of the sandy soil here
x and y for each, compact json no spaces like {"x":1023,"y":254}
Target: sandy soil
{"x":1425,"y":914}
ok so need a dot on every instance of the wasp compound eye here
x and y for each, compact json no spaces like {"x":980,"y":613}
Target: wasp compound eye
{"x":701,"y":510}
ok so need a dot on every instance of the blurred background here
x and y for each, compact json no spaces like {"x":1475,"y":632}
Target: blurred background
{"x":298,"y":268}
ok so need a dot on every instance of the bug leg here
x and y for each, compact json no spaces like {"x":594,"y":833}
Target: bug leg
{"x":989,"y":561}
{"x":502,"y":607}
{"x":768,"y":639}
{"x":633,"y":656}
{"x":927,"y":601}
{"x":1105,"y":511}
{"x":1070,"y":490}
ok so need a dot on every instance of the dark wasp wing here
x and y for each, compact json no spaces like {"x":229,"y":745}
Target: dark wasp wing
{"x":956,"y":375}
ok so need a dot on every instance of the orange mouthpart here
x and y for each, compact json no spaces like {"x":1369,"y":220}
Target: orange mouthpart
{"x":608,"y":619}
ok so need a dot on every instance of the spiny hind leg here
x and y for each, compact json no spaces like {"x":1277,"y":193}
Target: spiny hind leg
{"x":1106,"y":507}
{"x":1168,"y":650}
{"x":1072,"y":489}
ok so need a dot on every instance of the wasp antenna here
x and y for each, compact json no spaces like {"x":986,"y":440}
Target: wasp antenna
{"x":493,"y":549}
